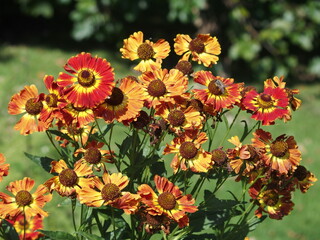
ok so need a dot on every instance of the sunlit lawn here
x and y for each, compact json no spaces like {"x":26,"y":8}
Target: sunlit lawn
{"x":23,"y":65}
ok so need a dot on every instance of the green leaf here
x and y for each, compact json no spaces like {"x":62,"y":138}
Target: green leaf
{"x":44,"y":162}
{"x":89,"y":236}
{"x":58,"y":235}
{"x":9,"y":232}
{"x":245,"y":130}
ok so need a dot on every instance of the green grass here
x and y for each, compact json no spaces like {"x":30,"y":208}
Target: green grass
{"x":25,"y":65}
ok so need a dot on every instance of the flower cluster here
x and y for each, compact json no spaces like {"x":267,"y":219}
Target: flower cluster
{"x":178,"y":109}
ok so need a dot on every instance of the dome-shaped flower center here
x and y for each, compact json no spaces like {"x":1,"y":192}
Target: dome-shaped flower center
{"x":188,"y":150}
{"x":23,"y":198}
{"x":185,"y":67}
{"x":157,"y":88}
{"x":32,"y":107}
{"x":265,"y":101}
{"x":74,"y":130}
{"x":116,"y":97}
{"x":92,"y":155}
{"x":219,"y":156}
{"x":270,"y":198}
{"x":154,"y":221}
{"x":300,"y":173}
{"x":196,"y":45}
{"x":254,"y":156}
{"x":216,"y":87}
{"x":196,"y":104}
{"x":142,"y":121}
{"x":86,"y":78}
{"x":68,"y":177}
{"x":279,"y":148}
{"x":145,"y":51}
{"x":51,"y":100}
{"x":167,"y":200}
{"x":176,"y":118}
{"x":110,"y":192}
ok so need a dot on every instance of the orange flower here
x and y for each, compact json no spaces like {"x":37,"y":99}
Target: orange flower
{"x":23,"y":201}
{"x":80,"y":116}
{"x":162,"y":86}
{"x":88,"y":82}
{"x":109,"y":192}
{"x":124,"y":103}
{"x":219,"y":92}
{"x":204,"y":48}
{"x":281,"y":154}
{"x":149,"y":53}
{"x":170,"y":201}
{"x":188,"y":152}
{"x":28,"y":102}
{"x":27,"y":227}
{"x":69,"y":181}
{"x":4,"y":167}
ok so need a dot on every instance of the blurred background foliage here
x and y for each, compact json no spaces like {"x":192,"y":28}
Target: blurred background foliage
{"x":259,"y":38}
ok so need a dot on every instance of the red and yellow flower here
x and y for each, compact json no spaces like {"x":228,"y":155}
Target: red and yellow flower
{"x":29,"y":103}
{"x":163,"y":86}
{"x":69,"y":181}
{"x":267,"y":106}
{"x":124,"y":103}
{"x":88,"y":82}
{"x":281,"y":154}
{"x":188,"y":152}
{"x":169,"y":201}
{"x":150,"y":54}
{"x":4,"y":167}
{"x":204,"y":48}
{"x":79,"y":116}
{"x":219,"y":92}
{"x":23,"y":201}
{"x":109,"y":192}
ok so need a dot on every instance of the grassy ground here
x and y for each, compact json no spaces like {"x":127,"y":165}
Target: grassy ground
{"x":25,"y":65}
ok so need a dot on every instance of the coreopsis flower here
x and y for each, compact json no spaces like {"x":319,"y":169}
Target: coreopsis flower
{"x":69,"y":181}
{"x":267,"y":106}
{"x":124,"y":103}
{"x":281,"y":155}
{"x":27,"y":229}
{"x":180,"y":118}
{"x":169,"y":201}
{"x":303,"y":179}
{"x":53,"y":101}
{"x":149,"y":53}
{"x":23,"y":201}
{"x":29,"y":103}
{"x":274,"y":202}
{"x":188,"y":152}
{"x":162,"y":86}
{"x":294,"y":103}
{"x":95,"y":156}
{"x":88,"y":82}
{"x":109,"y":191}
{"x":203,"y":49}
{"x":219,"y":92}
{"x":4,"y":167}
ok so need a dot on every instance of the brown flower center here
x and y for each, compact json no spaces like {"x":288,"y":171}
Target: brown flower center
{"x":23,"y":198}
{"x":270,"y":198}
{"x":167,"y":200}
{"x":196,"y":45}
{"x":142,"y":121}
{"x":279,"y":148}
{"x":86,"y":78}
{"x":110,"y":192}
{"x":74,"y":130}
{"x":116,"y":97}
{"x":157,"y":88}
{"x":92,"y":155}
{"x":68,"y":177}
{"x":300,"y":173}
{"x":32,"y":107}
{"x":196,"y":104}
{"x":265,"y":101}
{"x":51,"y":100}
{"x":216,"y":87}
{"x":176,"y":118}
{"x":219,"y":156}
{"x":254,"y":156}
{"x":188,"y":150}
{"x":145,"y":51}
{"x":185,"y":67}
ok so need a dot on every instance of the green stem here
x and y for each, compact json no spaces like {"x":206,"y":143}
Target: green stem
{"x":73,"y":207}
{"x":245,"y":135}
{"x":229,"y":128}
{"x":96,"y":217}
{"x":53,"y":144}
{"x":24,"y":225}
{"x":113,"y":224}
